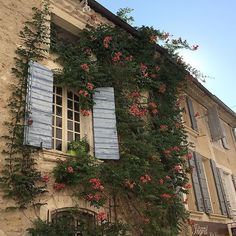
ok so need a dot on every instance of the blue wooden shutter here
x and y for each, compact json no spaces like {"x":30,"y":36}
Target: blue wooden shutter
{"x":224,"y":191}
{"x":196,"y":186}
{"x":104,"y":125}
{"x":218,"y":188}
{"x":192,"y":114}
{"x":39,"y":107}
{"x":203,"y":182}
{"x":214,"y":124}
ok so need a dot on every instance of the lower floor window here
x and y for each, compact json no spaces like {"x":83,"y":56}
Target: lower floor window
{"x":77,"y":223}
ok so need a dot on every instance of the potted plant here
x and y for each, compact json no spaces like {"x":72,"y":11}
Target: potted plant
{"x":78,"y":147}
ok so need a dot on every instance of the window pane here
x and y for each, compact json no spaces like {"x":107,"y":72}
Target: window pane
{"x":59,"y":122}
{"x":59,"y":133}
{"x":69,"y":104}
{"x":77,"y":116}
{"x":59,"y":111}
{"x":77,"y":127}
{"x":76,"y":104}
{"x":70,"y":136}
{"x":70,"y":115}
{"x":70,"y":95}
{"x":59,"y":90}
{"x":58,"y":145}
{"x":53,"y":120}
{"x":59,"y":100}
{"x":52,"y":132}
{"x":70,"y":125}
{"x":76,"y":98}
{"x":77,"y":136}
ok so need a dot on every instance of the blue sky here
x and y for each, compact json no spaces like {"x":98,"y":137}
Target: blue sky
{"x":209,"y":23}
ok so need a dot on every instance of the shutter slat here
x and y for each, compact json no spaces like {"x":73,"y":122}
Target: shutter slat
{"x":203,"y":183}
{"x":218,"y":188}
{"x":104,"y":124}
{"x":196,"y":186}
{"x":214,"y":124}
{"x":39,"y":106}
{"x":192,"y":114}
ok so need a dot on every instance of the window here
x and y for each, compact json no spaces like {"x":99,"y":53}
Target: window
{"x":79,"y":222}
{"x":66,"y":118}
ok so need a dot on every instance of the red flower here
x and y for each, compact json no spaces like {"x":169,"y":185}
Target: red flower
{"x":145,"y":178}
{"x":197,"y":114}
{"x":161,"y":181}
{"x":189,"y":156}
{"x":163,"y":127}
{"x":143,"y":69}
{"x":83,"y":92}
{"x":129,"y":58}
{"x":191,"y":222}
{"x":130,"y":184}
{"x":89,"y":197}
{"x":153,"y":38}
{"x":188,"y":186}
{"x":154,"y":111}
{"x":96,"y":184}
{"x":106,"y":41}
{"x":117,"y":57}
{"x":146,"y":221}
{"x":157,"y":68}
{"x":135,"y":94}
{"x":165,"y":36}
{"x":178,"y":168}
{"x":136,"y":111}
{"x":162,"y":88}
{"x":59,"y":186}
{"x":168,"y":177}
{"x":167,"y":152}
{"x":195,"y":47}
{"x":85,"y":112}
{"x":90,"y":86}
{"x":45,"y":178}
{"x":70,"y":169}
{"x":152,"y":105}
{"x":97,"y":197}
{"x":85,"y":67}
{"x":101,"y":216}
{"x":165,"y":195}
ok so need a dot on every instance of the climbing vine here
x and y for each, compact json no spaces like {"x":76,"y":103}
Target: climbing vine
{"x":152,"y":170}
{"x":151,"y":175}
{"x":20,"y":179}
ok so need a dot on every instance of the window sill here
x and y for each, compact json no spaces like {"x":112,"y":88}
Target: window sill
{"x":194,"y":133}
{"x":218,"y":217}
{"x":53,"y":155}
{"x":196,"y":214}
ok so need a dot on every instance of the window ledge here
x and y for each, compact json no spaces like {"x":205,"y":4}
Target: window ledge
{"x":218,"y":217}
{"x":53,"y":155}
{"x":196,"y":214}
{"x":191,"y":131}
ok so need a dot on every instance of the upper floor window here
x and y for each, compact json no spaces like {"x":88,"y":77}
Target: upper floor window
{"x":66,"y":118}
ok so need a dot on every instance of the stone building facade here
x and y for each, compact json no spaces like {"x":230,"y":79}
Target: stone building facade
{"x":212,"y":200}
